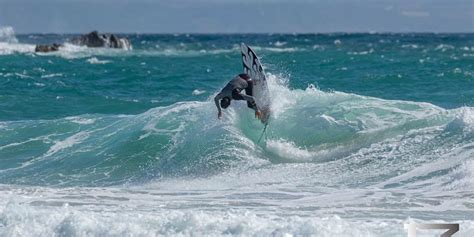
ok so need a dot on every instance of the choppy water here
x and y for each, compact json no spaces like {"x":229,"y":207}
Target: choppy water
{"x":368,"y":132}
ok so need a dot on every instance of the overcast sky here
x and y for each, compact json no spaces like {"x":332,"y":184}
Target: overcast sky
{"x":237,"y":16}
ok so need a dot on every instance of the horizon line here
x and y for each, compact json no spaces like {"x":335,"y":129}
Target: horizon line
{"x":254,"y":33}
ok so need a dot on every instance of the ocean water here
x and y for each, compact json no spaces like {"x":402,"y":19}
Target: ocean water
{"x":368,"y":132}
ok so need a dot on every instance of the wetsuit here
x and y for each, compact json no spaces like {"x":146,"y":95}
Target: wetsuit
{"x":232,"y":91}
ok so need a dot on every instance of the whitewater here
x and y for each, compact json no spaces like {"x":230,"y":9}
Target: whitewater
{"x":368,"y":132}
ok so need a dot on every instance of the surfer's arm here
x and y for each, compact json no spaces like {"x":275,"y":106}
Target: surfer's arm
{"x":216,"y":101}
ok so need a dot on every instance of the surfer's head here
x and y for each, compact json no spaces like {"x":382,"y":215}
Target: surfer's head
{"x":225,"y":102}
{"x":244,"y":76}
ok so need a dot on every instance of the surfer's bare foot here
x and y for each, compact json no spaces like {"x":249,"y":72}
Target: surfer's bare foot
{"x":219,"y":115}
{"x":258,"y":114}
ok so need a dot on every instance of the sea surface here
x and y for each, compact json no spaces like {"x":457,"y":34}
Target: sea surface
{"x":368,"y":132}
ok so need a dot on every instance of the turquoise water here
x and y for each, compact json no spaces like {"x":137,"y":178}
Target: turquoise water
{"x":368,"y":131}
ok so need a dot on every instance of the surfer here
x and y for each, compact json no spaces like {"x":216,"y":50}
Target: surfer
{"x":232,"y":92}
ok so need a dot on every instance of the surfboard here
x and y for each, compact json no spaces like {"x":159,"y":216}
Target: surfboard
{"x":260,"y":92}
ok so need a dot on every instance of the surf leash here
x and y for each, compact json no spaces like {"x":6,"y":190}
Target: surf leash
{"x":263,"y":132}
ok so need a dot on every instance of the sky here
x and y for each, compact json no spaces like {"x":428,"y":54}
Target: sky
{"x":237,"y":16}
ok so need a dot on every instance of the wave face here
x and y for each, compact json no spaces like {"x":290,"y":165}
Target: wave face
{"x":368,"y":132}
{"x":309,"y":126}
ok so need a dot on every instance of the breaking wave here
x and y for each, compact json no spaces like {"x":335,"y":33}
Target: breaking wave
{"x":389,"y":138}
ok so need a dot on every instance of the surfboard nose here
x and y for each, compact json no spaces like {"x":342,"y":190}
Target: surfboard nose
{"x":252,"y":66}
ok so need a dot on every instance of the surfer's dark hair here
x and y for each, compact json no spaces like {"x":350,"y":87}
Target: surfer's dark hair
{"x":225,"y":102}
{"x":244,"y":76}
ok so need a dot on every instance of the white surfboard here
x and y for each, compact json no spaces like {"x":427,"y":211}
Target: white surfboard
{"x":253,"y":67}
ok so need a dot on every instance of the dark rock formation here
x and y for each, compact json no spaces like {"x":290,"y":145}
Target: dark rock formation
{"x":47,"y":48}
{"x":94,"y":40}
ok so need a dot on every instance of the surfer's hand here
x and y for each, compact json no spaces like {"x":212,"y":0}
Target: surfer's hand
{"x":258,"y":114}
{"x":219,"y":115}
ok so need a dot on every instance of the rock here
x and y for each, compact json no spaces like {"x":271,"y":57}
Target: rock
{"x":90,"y":40}
{"x":47,"y":48}
{"x":94,"y":40}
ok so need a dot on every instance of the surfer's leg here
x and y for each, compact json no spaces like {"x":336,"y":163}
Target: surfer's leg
{"x":250,"y":100}
{"x":236,"y":95}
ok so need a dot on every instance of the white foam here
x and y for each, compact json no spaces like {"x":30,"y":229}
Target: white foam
{"x":449,"y":160}
{"x":158,"y":114}
{"x":66,"y":143}
{"x":52,"y":75}
{"x":81,"y":120}
{"x":319,"y":47}
{"x":25,"y":220}
{"x":361,"y":52}
{"x":21,"y":75}
{"x":126,"y":45}
{"x":464,"y":119}
{"x":7,"y":34}
{"x":280,"y":44}
{"x":198,"y":92}
{"x":329,"y":119}
{"x":150,"y":212}
{"x":11,"y":48}
{"x":171,"y":51}
{"x":467,"y":115}
{"x":9,"y":43}
{"x":94,"y":60}
{"x":444,"y":47}
{"x":277,"y":50}
{"x":40,"y":138}
{"x":71,"y":51}
{"x":413,"y":46}
{"x":289,"y":150}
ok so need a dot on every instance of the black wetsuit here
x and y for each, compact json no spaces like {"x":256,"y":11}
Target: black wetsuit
{"x":232,"y":91}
